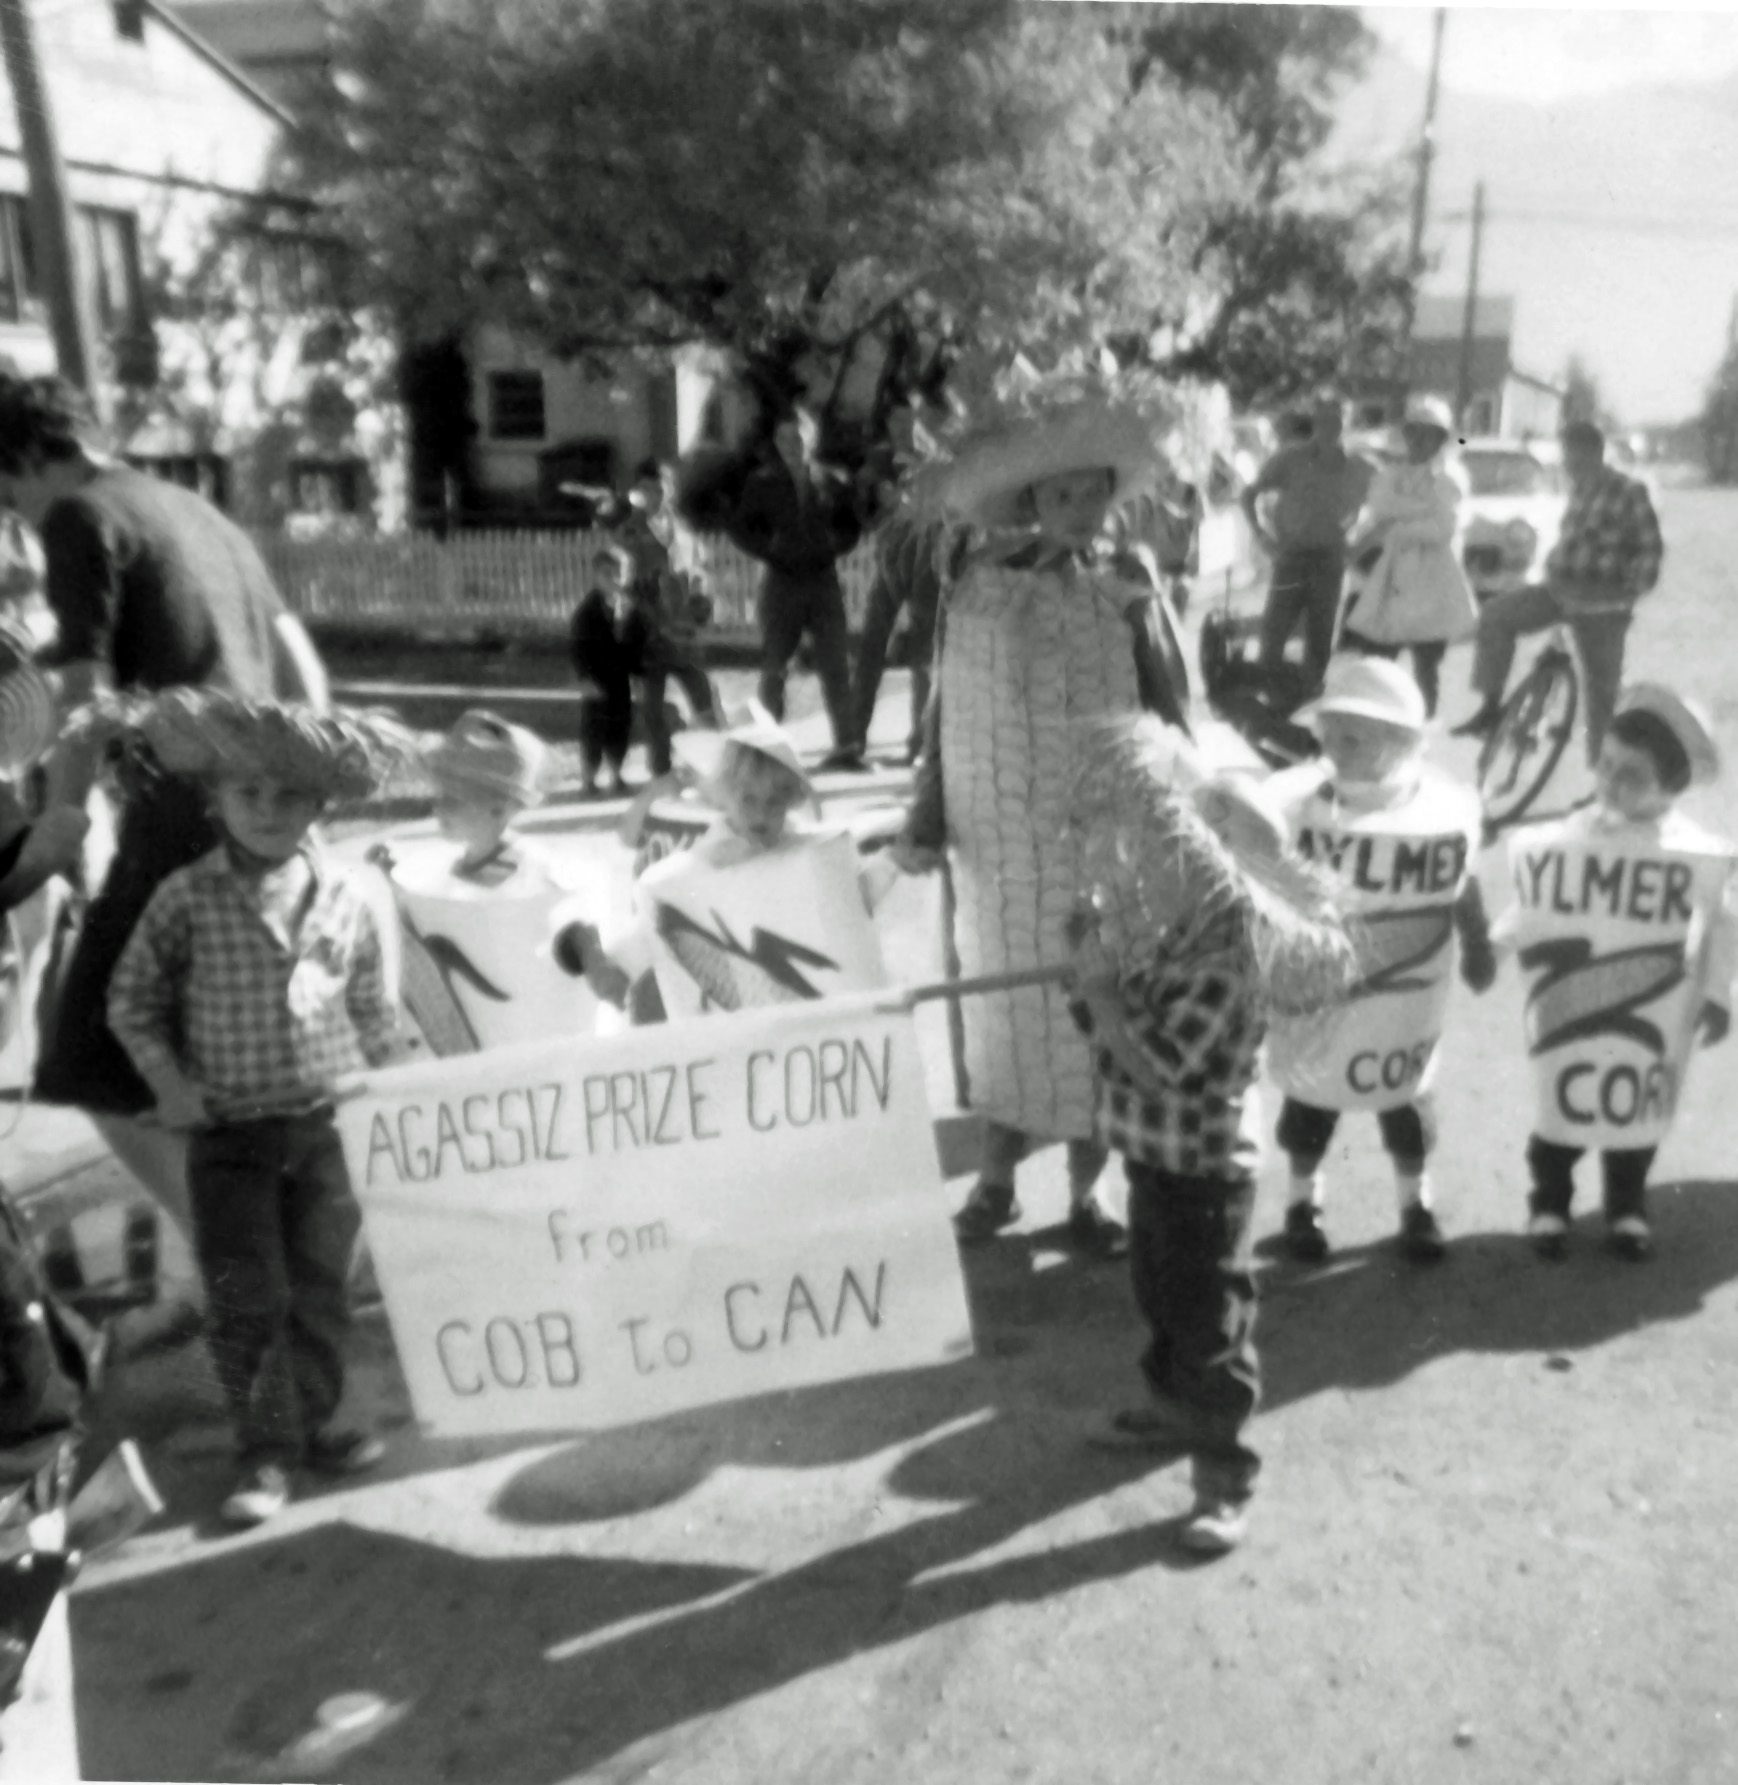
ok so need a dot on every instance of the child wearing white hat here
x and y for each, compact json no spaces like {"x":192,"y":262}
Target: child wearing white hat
{"x":1624,"y":928}
{"x":486,"y":774}
{"x":1397,"y":838}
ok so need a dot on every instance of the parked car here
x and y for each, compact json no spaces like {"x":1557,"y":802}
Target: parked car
{"x":1512,"y":514}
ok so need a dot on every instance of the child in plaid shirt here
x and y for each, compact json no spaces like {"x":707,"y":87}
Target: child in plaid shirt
{"x":251,"y":983}
{"x":1217,"y":925}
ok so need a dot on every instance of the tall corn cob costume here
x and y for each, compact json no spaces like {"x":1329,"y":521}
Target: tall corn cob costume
{"x":1028,"y":655}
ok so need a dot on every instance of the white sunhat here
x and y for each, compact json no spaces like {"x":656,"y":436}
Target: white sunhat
{"x":750,"y":726}
{"x":1368,"y":688}
{"x":1687,"y":720}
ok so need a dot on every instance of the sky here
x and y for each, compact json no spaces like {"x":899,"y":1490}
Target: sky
{"x":1607,"y":141}
{"x":1525,"y":53}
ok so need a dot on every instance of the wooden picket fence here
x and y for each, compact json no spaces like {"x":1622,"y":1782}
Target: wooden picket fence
{"x":512,"y":582}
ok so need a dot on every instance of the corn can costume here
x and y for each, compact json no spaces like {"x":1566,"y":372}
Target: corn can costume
{"x":1622,"y":930}
{"x":1399,"y":871}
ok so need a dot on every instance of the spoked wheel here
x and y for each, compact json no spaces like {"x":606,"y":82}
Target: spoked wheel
{"x":1522,"y":753}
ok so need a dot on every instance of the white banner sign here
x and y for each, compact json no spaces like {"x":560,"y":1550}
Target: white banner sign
{"x":1608,"y":933}
{"x":785,"y":925}
{"x":577,"y":1235}
{"x":475,"y":968}
{"x":1400,"y":872}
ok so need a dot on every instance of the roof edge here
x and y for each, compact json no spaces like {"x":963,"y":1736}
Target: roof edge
{"x":209,"y":52}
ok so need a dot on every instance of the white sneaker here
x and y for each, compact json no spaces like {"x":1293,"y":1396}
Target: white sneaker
{"x":1215,"y":1527}
{"x":261,"y":1494}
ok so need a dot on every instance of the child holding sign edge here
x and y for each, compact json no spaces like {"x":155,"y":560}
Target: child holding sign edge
{"x":251,"y":984}
{"x":1624,"y":928}
{"x":1396,"y":836}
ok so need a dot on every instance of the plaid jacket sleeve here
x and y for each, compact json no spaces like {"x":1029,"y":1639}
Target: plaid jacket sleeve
{"x":1180,"y":1020}
{"x":1646,"y":548}
{"x":145,"y":987}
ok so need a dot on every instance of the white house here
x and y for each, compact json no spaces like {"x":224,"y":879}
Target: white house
{"x":161,"y":135}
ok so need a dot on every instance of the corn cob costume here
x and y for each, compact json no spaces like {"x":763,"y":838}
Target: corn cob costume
{"x":1029,"y":659}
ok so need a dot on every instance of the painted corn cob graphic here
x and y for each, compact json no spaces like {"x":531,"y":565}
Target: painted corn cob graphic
{"x":1579,"y":993}
{"x":427,"y":968}
{"x":735,"y":976}
{"x":1393,"y":945}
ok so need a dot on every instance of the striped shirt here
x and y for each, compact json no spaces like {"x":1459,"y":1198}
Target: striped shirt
{"x":1195,"y":1011}
{"x":260,"y":1004}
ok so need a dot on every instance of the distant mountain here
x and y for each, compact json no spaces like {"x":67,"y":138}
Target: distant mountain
{"x":1612,"y":219}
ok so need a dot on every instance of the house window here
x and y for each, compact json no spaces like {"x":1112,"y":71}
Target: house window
{"x":20,"y":295}
{"x":326,"y":486}
{"x":130,"y":20}
{"x":205,"y":472}
{"x":516,"y":406}
{"x":110,"y":244}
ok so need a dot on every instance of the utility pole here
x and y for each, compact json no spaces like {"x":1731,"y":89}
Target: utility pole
{"x":1469,"y":319}
{"x":1420,"y":212}
{"x":50,"y":211}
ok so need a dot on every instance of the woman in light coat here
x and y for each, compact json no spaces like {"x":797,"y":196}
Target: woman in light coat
{"x":1407,"y":588}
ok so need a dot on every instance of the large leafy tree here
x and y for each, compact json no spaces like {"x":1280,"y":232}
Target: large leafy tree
{"x":1299,"y":272}
{"x":784,"y":177}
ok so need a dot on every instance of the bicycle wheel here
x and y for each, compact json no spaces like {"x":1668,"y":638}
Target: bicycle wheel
{"x":1523,"y":752}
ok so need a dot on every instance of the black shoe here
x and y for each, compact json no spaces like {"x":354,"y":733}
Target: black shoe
{"x":1092,"y":1230}
{"x":1481,"y":724}
{"x":1420,"y":1236}
{"x":1305,"y":1237}
{"x":1549,"y":1237}
{"x":847,"y":760}
{"x":988,"y":1209}
{"x":1631,"y":1238}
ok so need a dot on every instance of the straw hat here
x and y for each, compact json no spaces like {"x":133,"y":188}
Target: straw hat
{"x":983,"y":480}
{"x":1368,"y":688}
{"x":27,"y":715}
{"x":1687,"y":720}
{"x":211,"y":733}
{"x":488,"y":753}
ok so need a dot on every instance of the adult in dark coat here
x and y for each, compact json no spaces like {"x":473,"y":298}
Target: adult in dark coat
{"x":799,"y":516}
{"x":150,"y":587}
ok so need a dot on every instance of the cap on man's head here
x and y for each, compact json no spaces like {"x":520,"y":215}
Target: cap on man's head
{"x":1369,"y":688}
{"x":486,"y":753}
{"x":1686,"y":720}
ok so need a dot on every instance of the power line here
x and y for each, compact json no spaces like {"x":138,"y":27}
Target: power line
{"x":1686,"y":228}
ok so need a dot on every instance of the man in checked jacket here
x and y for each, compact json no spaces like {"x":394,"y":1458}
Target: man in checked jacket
{"x":1606,"y":558}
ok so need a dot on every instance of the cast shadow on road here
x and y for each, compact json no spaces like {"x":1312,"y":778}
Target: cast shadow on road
{"x":1368,"y":1318}
{"x":540,"y":1669}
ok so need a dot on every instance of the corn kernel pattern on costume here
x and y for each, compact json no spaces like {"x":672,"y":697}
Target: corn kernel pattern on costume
{"x":1028,"y":655}
{"x":1622,"y":931}
{"x":1399,"y":869}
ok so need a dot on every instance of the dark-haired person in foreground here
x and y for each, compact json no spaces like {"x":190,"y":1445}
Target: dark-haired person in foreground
{"x":1606,"y":558}
{"x":150,"y":588}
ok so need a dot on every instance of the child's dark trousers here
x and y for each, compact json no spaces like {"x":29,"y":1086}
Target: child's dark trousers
{"x":1408,"y":1132}
{"x":1189,"y":1258}
{"x":274,"y":1226}
{"x":1552,"y":1166}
